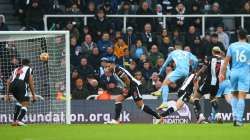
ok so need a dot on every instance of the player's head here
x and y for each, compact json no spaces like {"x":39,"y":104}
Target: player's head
{"x":25,"y":62}
{"x":242,"y":34}
{"x":216,"y":50}
{"x":109,"y":66}
{"x":178,"y":46}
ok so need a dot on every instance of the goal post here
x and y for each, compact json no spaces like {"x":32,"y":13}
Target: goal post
{"x":51,"y":76}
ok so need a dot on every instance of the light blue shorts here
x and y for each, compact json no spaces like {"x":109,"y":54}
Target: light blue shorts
{"x":240,"y":81}
{"x":225,"y":88}
{"x":176,"y":75}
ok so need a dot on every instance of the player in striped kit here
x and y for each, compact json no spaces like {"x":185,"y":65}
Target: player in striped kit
{"x":131,"y":87}
{"x":18,"y":84}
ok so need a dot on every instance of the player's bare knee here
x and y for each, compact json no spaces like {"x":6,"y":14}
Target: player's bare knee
{"x":139,"y":104}
{"x":25,"y":104}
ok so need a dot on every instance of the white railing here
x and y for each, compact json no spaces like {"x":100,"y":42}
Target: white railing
{"x":3,"y":17}
{"x":125,"y":18}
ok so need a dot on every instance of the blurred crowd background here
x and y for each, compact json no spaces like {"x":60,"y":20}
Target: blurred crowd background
{"x":142,"y":48}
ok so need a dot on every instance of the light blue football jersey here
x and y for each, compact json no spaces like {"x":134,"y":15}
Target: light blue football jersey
{"x":181,"y":59}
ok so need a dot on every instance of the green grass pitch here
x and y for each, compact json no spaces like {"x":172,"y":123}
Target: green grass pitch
{"x":126,"y":132}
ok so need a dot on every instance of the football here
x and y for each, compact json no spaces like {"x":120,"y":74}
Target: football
{"x":44,"y":57}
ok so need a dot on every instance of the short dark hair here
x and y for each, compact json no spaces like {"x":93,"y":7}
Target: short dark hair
{"x":214,"y":35}
{"x":25,"y":62}
{"x":242,"y":34}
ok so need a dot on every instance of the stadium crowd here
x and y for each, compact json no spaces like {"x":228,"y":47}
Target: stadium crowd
{"x":142,"y":48}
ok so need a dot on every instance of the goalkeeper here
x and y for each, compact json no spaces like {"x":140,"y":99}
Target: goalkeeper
{"x":18,"y":84}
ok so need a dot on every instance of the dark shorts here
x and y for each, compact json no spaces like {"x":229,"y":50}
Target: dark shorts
{"x":19,"y":90}
{"x":135,"y":91}
{"x":186,"y":89}
{"x":207,"y":88}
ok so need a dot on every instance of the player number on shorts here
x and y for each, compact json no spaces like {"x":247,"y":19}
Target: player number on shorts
{"x":240,"y":56}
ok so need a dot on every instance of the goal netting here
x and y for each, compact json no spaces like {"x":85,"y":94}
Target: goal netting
{"x":52,"y":77}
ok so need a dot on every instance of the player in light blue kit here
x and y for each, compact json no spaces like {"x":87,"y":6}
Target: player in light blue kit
{"x":225,"y":89}
{"x":239,"y":53}
{"x":182,"y":61}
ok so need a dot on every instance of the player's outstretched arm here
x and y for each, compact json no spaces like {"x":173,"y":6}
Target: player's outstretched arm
{"x":224,"y":68}
{"x":32,"y":88}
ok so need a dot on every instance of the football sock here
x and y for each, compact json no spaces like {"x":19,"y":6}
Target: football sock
{"x":197,"y":108}
{"x":240,"y":109}
{"x":22,"y":113}
{"x":118,"y":109}
{"x":17,"y":110}
{"x":165,"y":91}
{"x":234,"y":102}
{"x":148,"y":110}
{"x":169,"y":111}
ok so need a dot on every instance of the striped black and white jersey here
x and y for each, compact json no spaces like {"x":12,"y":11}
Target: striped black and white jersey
{"x":120,"y":72}
{"x":214,"y":64}
{"x":22,"y":73}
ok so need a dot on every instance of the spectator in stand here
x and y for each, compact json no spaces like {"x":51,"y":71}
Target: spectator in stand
{"x":129,"y":37}
{"x":103,"y":64}
{"x":137,"y":50}
{"x":154,"y":83}
{"x":196,"y":21}
{"x":159,"y":64}
{"x":20,"y":10}
{"x":71,"y":27}
{"x":168,"y":5}
{"x":90,"y":8}
{"x":213,"y":43}
{"x":94,"y":59}
{"x":126,"y":9}
{"x":85,"y":69}
{"x":88,"y":45}
{"x":222,"y":36}
{"x":100,"y":24}
{"x":79,"y":92}
{"x":106,"y":79}
{"x":107,"y":8}
{"x":92,"y":85}
{"x":193,"y":39}
{"x":74,"y":77}
{"x":166,"y":43}
{"x":154,"y":54}
{"x":180,"y":21}
{"x":205,"y":6}
{"x":3,"y":26}
{"x":177,"y":37}
{"x":246,"y":10}
{"x":159,"y":21}
{"x":75,"y":52}
{"x":138,"y":76}
{"x":148,"y":37}
{"x":126,"y":59}
{"x":214,"y":21}
{"x":74,"y":9}
{"x":119,"y":47}
{"x":144,"y":10}
{"x":110,"y":54}
{"x":34,"y":16}
{"x":104,"y":43}
{"x":164,"y":33}
{"x":83,"y":32}
{"x":133,"y":67}
{"x":147,"y":70}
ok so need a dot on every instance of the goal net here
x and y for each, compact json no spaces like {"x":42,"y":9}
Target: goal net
{"x":51,"y":78}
